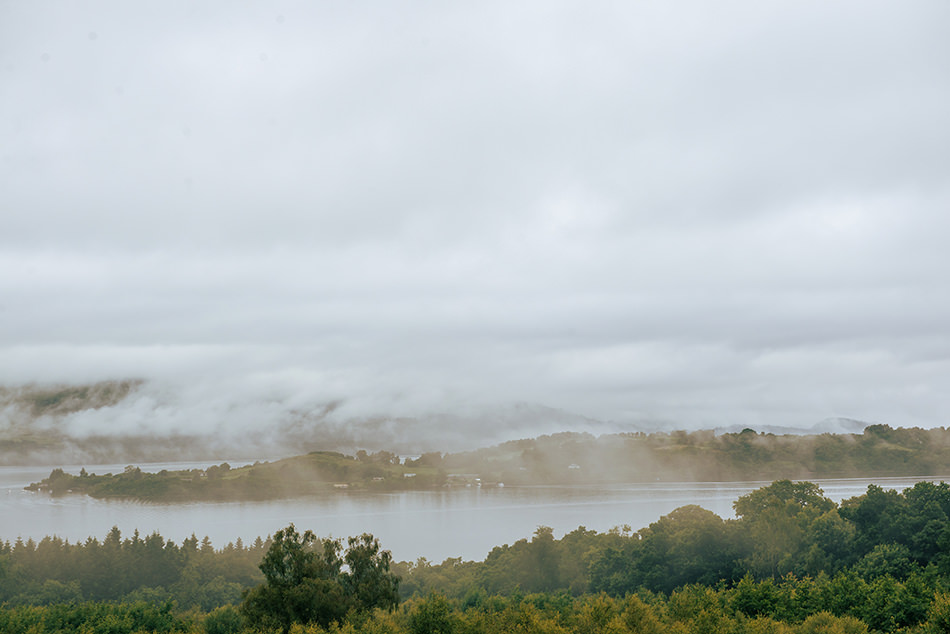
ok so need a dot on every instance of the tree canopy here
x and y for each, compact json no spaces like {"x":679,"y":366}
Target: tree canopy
{"x":307,"y":581}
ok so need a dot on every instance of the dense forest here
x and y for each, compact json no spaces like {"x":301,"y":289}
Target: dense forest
{"x":567,"y":458}
{"x":791,"y":561}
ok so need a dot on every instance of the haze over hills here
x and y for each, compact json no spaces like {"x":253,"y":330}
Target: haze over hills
{"x":137,"y":421}
{"x":833,"y":425}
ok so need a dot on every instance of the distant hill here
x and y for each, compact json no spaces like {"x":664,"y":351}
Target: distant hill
{"x":557,"y":459}
{"x":826,"y":426}
{"x":33,"y":419}
{"x":133,"y":421}
{"x":840,"y":426}
{"x":33,"y":401}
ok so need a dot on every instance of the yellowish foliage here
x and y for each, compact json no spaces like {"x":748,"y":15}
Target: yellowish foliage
{"x":827,"y":623}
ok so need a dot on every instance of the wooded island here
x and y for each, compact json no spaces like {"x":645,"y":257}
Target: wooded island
{"x":567,"y":458}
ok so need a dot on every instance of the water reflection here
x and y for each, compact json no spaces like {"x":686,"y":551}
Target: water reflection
{"x":437,"y":524}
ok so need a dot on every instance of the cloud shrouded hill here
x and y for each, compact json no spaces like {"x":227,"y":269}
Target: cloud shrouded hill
{"x":114,"y":421}
{"x":359,"y":214}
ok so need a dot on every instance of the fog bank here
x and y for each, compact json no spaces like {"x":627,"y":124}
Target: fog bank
{"x":354,"y":218}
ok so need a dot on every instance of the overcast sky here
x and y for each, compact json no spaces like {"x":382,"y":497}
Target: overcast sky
{"x":693,"y":212}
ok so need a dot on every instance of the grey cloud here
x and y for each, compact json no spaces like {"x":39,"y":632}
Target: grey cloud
{"x":679,"y":212}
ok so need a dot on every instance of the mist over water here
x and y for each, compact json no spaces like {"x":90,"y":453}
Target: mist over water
{"x":465,"y":523}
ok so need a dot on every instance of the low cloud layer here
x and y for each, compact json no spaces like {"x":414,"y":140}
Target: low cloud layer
{"x":679,"y":214}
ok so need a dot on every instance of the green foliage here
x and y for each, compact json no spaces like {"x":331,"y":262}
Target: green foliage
{"x":690,"y":545}
{"x":131,"y":569}
{"x":223,"y":620}
{"x":301,"y":583}
{"x":791,"y":606}
{"x":92,"y":618}
{"x":369,"y":580}
{"x":564,"y":458}
{"x":793,"y":561}
{"x":826,"y":623}
{"x":782,"y":495}
{"x":885,"y":560}
{"x":432,"y":615}
{"x":304,"y":581}
{"x":938,"y":615}
{"x":779,"y":521}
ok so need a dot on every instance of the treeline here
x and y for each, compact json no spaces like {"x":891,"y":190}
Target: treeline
{"x":568,"y":458}
{"x":692,"y":609}
{"x":881,"y":557}
{"x":786,"y":528}
{"x":705,"y":456}
{"x":131,"y":569}
{"x":314,"y":473}
{"x":792,"y":561}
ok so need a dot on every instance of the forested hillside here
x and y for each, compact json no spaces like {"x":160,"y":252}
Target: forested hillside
{"x":706,"y":456}
{"x":127,"y":421}
{"x":567,"y":458}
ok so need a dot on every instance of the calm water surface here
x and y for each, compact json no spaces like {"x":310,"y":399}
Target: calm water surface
{"x":463,"y":523}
